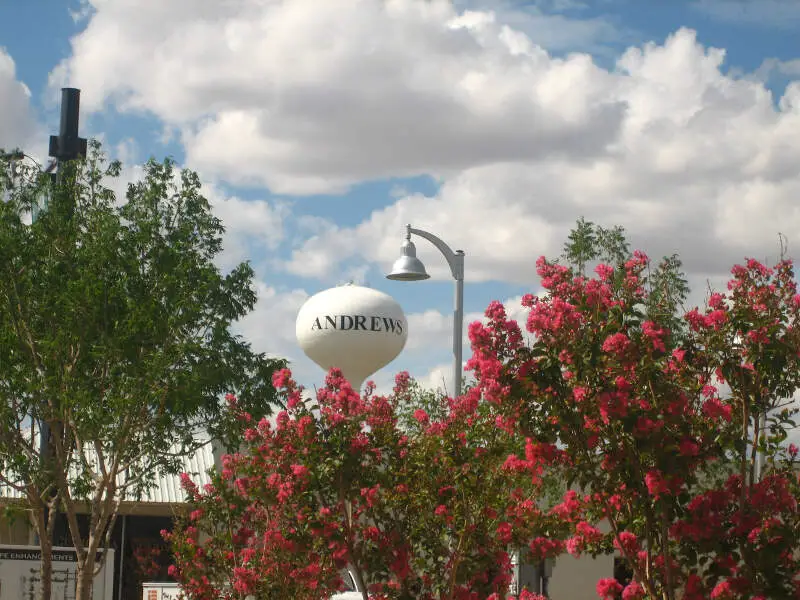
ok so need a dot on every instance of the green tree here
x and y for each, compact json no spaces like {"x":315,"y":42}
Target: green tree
{"x":581,"y":246}
{"x":665,"y":281}
{"x":115,"y":334}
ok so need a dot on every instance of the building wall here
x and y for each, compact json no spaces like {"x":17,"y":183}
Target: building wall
{"x":576,"y":578}
{"x":15,"y":532}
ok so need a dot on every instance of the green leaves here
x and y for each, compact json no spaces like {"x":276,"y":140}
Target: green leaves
{"x":115,"y":326}
{"x":581,"y":246}
{"x":589,"y":242}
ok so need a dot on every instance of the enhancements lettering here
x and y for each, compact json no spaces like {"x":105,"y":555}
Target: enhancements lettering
{"x":358,"y":323}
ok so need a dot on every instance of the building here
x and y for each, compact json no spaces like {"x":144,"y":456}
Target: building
{"x":140,"y":553}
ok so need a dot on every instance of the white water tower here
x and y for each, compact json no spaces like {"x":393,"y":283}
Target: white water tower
{"x":354,"y":328}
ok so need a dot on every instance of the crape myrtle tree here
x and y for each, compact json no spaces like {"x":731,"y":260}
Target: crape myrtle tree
{"x":424,"y":509}
{"x":115,"y":333}
{"x":652,"y":414}
{"x":647,"y":409}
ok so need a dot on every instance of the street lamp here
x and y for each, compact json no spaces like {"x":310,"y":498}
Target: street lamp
{"x":409,"y":268}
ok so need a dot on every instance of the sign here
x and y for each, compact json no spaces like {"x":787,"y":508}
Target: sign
{"x":160,"y":591}
{"x":374,"y":323}
{"x":20,"y":574}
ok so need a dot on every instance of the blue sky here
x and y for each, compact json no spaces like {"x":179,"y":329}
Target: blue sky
{"x":320,"y":128}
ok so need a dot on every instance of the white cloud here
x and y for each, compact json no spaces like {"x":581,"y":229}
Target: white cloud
{"x":432,"y":328}
{"x":270,"y":326}
{"x":307,"y":96}
{"x":557,"y":25}
{"x":439,"y":377}
{"x":18,"y":126}
{"x":705,"y":165}
{"x":253,"y":228}
{"x":773,"y":66}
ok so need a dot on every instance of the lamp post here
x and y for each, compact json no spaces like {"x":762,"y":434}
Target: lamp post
{"x":409,"y":268}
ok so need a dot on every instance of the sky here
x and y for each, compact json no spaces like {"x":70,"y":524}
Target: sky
{"x":321,"y":127}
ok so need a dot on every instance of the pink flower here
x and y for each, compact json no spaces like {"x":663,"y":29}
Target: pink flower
{"x":188,"y":485}
{"x":617,"y":344}
{"x":713,"y":408}
{"x":655,"y":334}
{"x":529,"y":300}
{"x":282,"y":379}
{"x":722,"y":591}
{"x":646,"y":425}
{"x":589,"y":532}
{"x":627,"y":542}
{"x":370,"y":494}
{"x":542,"y":547}
{"x":504,"y":532}
{"x":574,"y":546}
{"x":604,"y":272}
{"x":299,"y":470}
{"x":608,"y":589}
{"x":655,"y":482}
{"x":633,"y":591}
{"x":716,"y":301}
{"x":421,"y":416}
{"x":688,"y":447}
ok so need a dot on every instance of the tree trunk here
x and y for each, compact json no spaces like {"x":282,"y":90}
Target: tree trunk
{"x":46,"y":571}
{"x":44,"y":523}
{"x":85,"y":578}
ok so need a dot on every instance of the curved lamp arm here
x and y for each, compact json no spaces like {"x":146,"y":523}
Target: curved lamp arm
{"x":454,"y":259}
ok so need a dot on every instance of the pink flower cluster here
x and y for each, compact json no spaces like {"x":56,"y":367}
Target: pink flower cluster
{"x":649,"y":419}
{"x":641,"y":424}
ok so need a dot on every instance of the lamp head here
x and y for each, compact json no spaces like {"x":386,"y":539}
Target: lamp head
{"x":408,"y":267}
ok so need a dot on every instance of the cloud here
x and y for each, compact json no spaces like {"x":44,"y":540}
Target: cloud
{"x":306,"y":96}
{"x":253,"y":228}
{"x":270,"y":327}
{"x":774,"y":66}
{"x":439,"y":377}
{"x":18,"y":125}
{"x":556,"y":25}
{"x":705,"y":166}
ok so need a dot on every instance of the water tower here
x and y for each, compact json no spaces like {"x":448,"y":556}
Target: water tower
{"x":354,"y":328}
